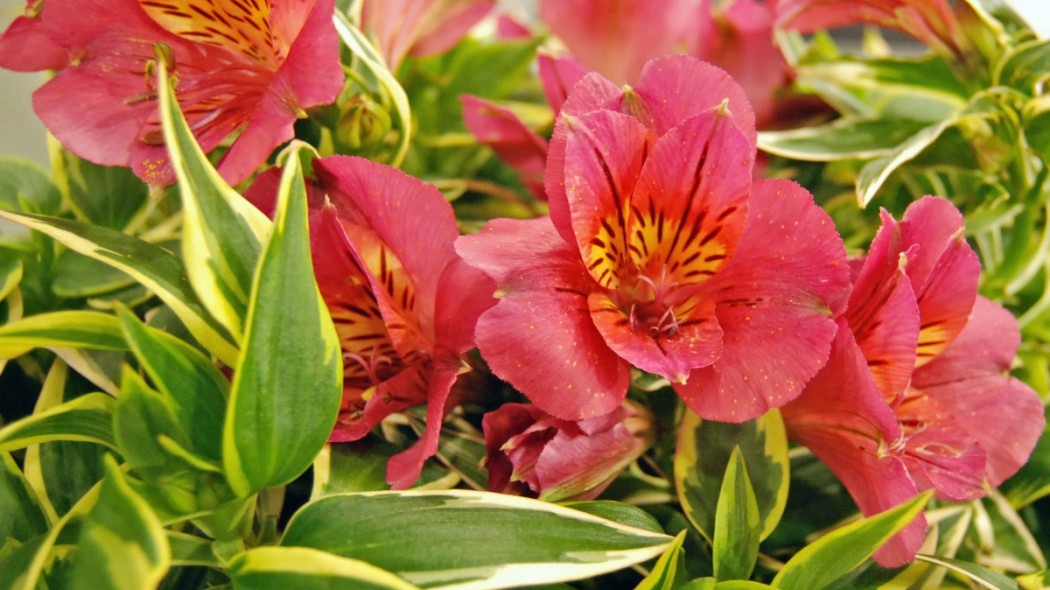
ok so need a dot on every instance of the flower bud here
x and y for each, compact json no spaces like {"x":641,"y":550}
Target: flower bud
{"x":362,"y":122}
{"x":532,"y":453}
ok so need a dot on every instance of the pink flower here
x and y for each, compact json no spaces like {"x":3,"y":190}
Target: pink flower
{"x":929,"y":21}
{"x":419,"y":27}
{"x":535,"y":454}
{"x":403,"y":303}
{"x":660,"y":253}
{"x":916,"y":394}
{"x":511,"y":139}
{"x":251,"y":67}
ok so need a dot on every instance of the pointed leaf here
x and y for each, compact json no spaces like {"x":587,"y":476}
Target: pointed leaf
{"x":703,"y":451}
{"x":192,"y":385}
{"x":737,"y":523}
{"x":834,"y":555}
{"x":59,"y":329}
{"x":223,"y":233}
{"x":277,"y":568}
{"x":664,"y":574}
{"x":109,"y":196}
{"x":10,"y":273}
{"x":495,"y":541}
{"x":23,"y":516}
{"x":842,"y":139}
{"x":121,"y":545}
{"x":140,"y":419}
{"x":875,"y":173}
{"x":86,"y":418}
{"x":288,"y":384}
{"x":154,"y":267}
{"x":1026,"y":66}
{"x":982,"y":576}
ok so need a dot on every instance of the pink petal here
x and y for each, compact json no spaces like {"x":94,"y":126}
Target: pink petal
{"x":1002,"y":414}
{"x":510,"y":138}
{"x":775,"y":302}
{"x":410,"y":217}
{"x":590,"y":94}
{"x":674,"y":88}
{"x":944,"y":272}
{"x":502,"y":425}
{"x":509,"y":29}
{"x":938,"y":453}
{"x":844,"y":420}
{"x":558,"y":76}
{"x":464,"y":293}
{"x":27,"y":47}
{"x":617,"y":39}
{"x":604,"y":155}
{"x":404,"y":468}
{"x":452,"y":20}
{"x":542,"y":321}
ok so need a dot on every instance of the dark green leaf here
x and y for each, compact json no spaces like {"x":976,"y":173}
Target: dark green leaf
{"x":77,"y":276}
{"x":489,"y":540}
{"x":109,"y":196}
{"x":703,"y":451}
{"x":618,"y":512}
{"x":23,"y":518}
{"x":288,"y":383}
{"x":25,"y":187}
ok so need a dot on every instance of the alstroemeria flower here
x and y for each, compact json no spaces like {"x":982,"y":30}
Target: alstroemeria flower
{"x":660,"y":253}
{"x":916,"y":394}
{"x":419,"y":27}
{"x":929,"y":21}
{"x":532,"y":453}
{"x":251,"y":67}
{"x":403,"y":303}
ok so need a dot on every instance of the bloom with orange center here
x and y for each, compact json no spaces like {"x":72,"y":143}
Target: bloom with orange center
{"x":247,"y":66}
{"x":661,"y":253}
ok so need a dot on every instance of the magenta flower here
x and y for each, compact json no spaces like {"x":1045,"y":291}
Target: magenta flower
{"x":916,"y":394}
{"x":251,"y":67}
{"x":419,"y":27}
{"x":929,"y":21}
{"x":512,"y":140}
{"x":403,"y":303}
{"x":532,"y":453}
{"x":660,"y":253}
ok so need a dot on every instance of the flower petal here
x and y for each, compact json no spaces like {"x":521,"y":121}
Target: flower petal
{"x":674,"y":88}
{"x":1001,"y":413}
{"x":938,"y":453}
{"x":558,"y":75}
{"x":464,"y":293}
{"x":510,"y":138}
{"x":775,"y":298}
{"x":542,"y":320}
{"x":604,"y":154}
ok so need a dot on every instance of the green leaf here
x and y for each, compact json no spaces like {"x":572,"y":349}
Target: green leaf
{"x":358,"y":466}
{"x":737,"y":523}
{"x":110,"y":196}
{"x":86,"y":418}
{"x":665,"y":574}
{"x":223,"y":233}
{"x":1035,"y":581}
{"x":703,"y":451}
{"x":875,"y":173}
{"x":78,"y":276}
{"x":288,"y":383}
{"x":980,"y":575}
{"x":191,"y":550}
{"x":140,"y":419}
{"x":191,"y":384}
{"x":154,"y":267}
{"x":841,"y":139}
{"x":24,"y":186}
{"x":361,"y":47}
{"x":277,"y":568}
{"x":1026,"y":66}
{"x":461,"y":537}
{"x":23,"y":518}
{"x":618,"y":512}
{"x":10,"y":273}
{"x":834,"y":555}
{"x":121,"y":545}
{"x":61,"y":329}
{"x":739,"y":585}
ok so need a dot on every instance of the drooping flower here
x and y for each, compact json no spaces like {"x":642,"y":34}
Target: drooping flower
{"x":916,"y":394}
{"x":403,"y":303}
{"x":929,"y":21}
{"x":252,"y":67}
{"x":530,"y":452}
{"x":419,"y":27}
{"x":661,"y":253}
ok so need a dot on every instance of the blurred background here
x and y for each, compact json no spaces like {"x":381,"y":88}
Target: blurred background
{"x":21,"y":134}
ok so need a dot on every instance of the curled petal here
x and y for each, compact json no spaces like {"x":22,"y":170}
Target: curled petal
{"x":558,"y":75}
{"x":510,"y":138}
